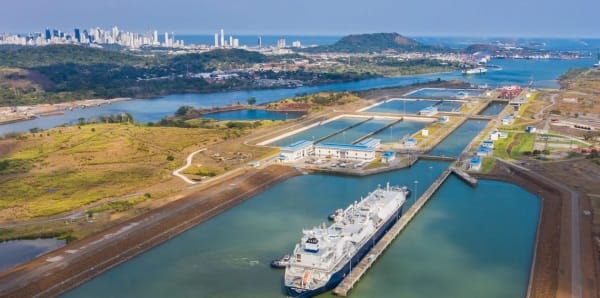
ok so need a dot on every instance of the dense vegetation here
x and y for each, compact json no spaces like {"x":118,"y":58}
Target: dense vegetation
{"x":51,"y":74}
{"x":374,"y":42}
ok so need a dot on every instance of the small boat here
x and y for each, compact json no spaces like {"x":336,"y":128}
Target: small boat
{"x":281,"y":263}
{"x":477,"y":70}
{"x":333,"y":215}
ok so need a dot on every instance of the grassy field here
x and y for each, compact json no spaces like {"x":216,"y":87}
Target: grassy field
{"x":66,"y":168}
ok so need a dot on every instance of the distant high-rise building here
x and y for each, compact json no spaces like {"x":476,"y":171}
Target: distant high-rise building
{"x":296,"y":44}
{"x":77,"y":35}
{"x":167,"y":39}
{"x":55,"y":33}
{"x":115,"y":32}
{"x":235,"y":43}
{"x":230,"y":41}
{"x":222,"y":38}
{"x":260,"y":42}
{"x":155,"y":37}
{"x":281,"y":43}
{"x":48,"y":34}
{"x":216,"y":40}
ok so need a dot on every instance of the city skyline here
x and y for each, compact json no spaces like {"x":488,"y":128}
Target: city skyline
{"x":269,"y":17}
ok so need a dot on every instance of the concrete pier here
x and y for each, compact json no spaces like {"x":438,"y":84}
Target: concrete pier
{"x":361,"y":268}
{"x":465,"y":176}
{"x":436,"y":157}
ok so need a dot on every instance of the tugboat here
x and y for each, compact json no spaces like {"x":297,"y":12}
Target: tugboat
{"x":281,"y":263}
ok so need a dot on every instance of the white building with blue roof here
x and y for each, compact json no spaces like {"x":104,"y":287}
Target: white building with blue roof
{"x":364,"y":150}
{"x":296,"y":151}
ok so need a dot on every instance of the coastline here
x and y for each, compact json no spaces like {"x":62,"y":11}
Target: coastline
{"x":24,"y":113}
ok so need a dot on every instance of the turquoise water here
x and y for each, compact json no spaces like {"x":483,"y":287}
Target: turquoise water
{"x":494,"y":108}
{"x":467,"y":242}
{"x":464,"y":242}
{"x":399,"y":130}
{"x":252,"y":115}
{"x":444,"y":93}
{"x":454,"y":144}
{"x":351,"y":135}
{"x":318,"y":132}
{"x":19,"y":251}
{"x":414,"y":106}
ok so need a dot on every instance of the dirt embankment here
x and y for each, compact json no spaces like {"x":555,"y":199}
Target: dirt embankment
{"x":551,"y":270}
{"x":70,"y":266}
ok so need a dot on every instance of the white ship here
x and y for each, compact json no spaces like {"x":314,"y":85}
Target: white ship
{"x":476,"y":70}
{"x":325,"y":255}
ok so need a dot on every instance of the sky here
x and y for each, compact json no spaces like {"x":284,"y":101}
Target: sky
{"x":477,"y":18}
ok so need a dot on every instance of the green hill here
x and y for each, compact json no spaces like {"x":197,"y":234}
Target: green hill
{"x":372,"y":42}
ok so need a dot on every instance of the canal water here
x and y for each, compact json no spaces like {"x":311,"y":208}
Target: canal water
{"x":456,"y":142}
{"x":19,"y":251}
{"x":353,"y":134}
{"x":413,"y":106}
{"x":467,"y":242}
{"x":441,"y":93}
{"x":252,"y":115}
{"x":399,"y":130}
{"x":494,"y":108}
{"x":543,"y":73}
{"x":319,"y":131}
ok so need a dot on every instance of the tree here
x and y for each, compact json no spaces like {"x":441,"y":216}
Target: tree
{"x":251,"y":101}
{"x":183,"y":111}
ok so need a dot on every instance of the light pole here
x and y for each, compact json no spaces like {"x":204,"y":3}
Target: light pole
{"x":430,"y":174}
{"x":416,"y":190}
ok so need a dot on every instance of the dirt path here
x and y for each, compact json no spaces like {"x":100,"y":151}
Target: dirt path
{"x":56,"y":272}
{"x":188,"y":162}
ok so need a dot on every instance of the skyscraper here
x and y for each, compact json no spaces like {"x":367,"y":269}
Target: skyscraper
{"x":167,"y":39}
{"x":222,"y":38}
{"x":155,"y":37}
{"x":216,"y":40}
{"x":281,"y":43}
{"x":230,"y":41}
{"x":48,"y":34}
{"x":77,"y":35}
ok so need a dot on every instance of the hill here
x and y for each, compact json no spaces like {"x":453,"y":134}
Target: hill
{"x":372,"y":42}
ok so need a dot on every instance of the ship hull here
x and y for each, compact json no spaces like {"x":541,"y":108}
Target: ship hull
{"x":337,"y":277}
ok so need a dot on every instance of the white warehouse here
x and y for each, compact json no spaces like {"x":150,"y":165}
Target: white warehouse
{"x":364,"y":150}
{"x":296,"y":151}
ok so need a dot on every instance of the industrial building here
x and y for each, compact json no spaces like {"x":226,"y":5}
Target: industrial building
{"x":296,"y":151}
{"x":364,"y":150}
